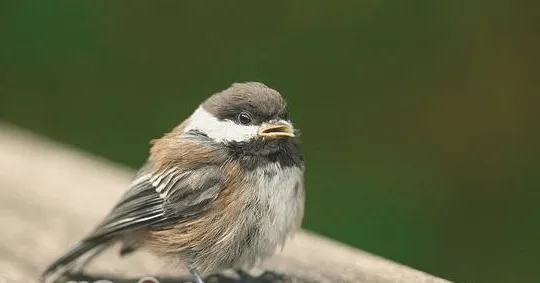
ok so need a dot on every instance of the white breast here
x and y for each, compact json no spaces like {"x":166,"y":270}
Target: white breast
{"x":277,"y":208}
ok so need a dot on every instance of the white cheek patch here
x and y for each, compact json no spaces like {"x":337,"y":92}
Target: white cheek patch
{"x":218,"y":130}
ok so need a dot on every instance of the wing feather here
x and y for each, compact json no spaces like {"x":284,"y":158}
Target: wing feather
{"x":161,"y":198}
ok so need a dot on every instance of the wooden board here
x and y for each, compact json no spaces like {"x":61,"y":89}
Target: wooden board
{"x":51,"y":195}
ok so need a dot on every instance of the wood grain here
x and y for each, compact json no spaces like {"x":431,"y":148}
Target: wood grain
{"x":51,"y":195}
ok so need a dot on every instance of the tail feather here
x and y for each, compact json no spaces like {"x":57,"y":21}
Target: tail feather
{"x":66,"y":262}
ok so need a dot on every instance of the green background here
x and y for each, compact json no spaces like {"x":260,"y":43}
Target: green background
{"x":420,"y":119}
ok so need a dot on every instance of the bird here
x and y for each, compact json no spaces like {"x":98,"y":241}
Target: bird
{"x":222,"y":190}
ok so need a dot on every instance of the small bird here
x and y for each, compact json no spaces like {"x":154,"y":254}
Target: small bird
{"x":222,"y":190}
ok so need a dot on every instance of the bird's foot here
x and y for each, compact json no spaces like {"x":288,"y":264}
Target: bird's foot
{"x":196,"y":276}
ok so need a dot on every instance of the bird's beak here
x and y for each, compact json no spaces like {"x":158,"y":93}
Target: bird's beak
{"x":276,"y":130}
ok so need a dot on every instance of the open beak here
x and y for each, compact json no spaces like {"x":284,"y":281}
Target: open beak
{"x":276,"y":131}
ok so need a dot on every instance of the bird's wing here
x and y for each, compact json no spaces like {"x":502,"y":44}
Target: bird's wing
{"x":157,"y":199}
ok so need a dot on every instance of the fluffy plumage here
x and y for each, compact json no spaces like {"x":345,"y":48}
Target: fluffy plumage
{"x":214,"y":193}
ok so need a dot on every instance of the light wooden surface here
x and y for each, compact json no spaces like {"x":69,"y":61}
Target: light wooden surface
{"x":51,"y":195}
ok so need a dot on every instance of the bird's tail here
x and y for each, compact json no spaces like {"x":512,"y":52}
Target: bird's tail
{"x":67,"y":262}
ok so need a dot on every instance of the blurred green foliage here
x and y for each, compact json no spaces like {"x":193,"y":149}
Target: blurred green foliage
{"x":420,"y":118}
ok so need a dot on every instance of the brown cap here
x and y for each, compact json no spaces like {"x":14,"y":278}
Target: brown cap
{"x":262,"y":102}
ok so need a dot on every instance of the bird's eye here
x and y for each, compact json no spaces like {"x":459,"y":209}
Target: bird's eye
{"x":244,"y":118}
